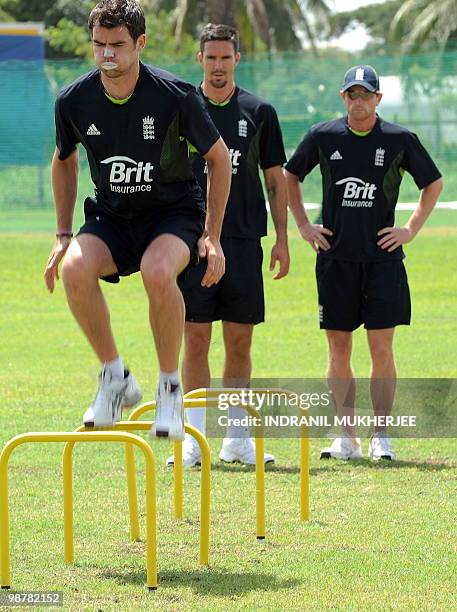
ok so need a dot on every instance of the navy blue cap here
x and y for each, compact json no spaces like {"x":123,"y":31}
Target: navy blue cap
{"x":365,"y":76}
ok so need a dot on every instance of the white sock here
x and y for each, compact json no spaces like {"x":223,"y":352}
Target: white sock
{"x":237,"y":431}
{"x":116,"y":367}
{"x":172,"y":377}
{"x":197,"y":418}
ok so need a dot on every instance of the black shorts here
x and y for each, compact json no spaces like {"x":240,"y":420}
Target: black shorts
{"x":238,"y":297}
{"x":373,"y":293}
{"x":128,"y":239}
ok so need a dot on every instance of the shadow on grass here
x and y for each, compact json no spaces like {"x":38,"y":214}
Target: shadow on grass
{"x":207,"y":581}
{"x":334,"y":465}
{"x":423,"y":466}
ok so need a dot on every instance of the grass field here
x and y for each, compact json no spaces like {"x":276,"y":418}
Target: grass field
{"x":380,"y":536}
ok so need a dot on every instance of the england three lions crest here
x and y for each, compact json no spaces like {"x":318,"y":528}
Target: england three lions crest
{"x":148,"y":128}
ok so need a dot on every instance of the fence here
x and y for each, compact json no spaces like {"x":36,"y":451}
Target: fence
{"x":420,"y":92}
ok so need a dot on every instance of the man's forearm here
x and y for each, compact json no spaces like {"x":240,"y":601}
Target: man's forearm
{"x":277,"y":198}
{"x":64,"y":187}
{"x":219,"y":177}
{"x":428,"y":198}
{"x":296,"y":205}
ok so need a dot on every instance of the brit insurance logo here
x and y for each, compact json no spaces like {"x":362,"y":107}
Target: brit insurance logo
{"x":235,"y":159}
{"x":128,"y":175}
{"x":148,"y":128}
{"x":357,"y":193}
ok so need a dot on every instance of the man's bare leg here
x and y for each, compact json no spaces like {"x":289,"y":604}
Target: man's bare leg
{"x":237,"y":445}
{"x":195,"y":366}
{"x":237,"y":369}
{"x":163,"y":261}
{"x":87,"y":259}
{"x":237,"y":365}
{"x":383,"y":372}
{"x":340,"y":375}
{"x":161,"y":264}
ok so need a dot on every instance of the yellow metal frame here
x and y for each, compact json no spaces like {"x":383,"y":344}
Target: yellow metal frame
{"x":132,"y":425}
{"x":304,"y":452}
{"x":199,"y":398}
{"x":72,"y":438}
{"x":208,"y":398}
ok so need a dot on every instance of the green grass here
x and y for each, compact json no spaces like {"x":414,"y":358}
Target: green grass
{"x":380,"y":536}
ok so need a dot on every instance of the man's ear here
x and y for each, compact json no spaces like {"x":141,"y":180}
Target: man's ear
{"x":141,"y":42}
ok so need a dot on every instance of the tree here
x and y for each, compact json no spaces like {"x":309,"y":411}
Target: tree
{"x":68,"y":39}
{"x":275,"y":24}
{"x":424,"y":21}
{"x":48,"y":12}
{"x":375,"y":17}
{"x":65,"y":21}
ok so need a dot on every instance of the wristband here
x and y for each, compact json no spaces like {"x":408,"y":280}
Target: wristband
{"x":64,"y":235}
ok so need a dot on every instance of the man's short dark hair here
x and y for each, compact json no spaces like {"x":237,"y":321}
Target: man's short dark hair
{"x":115,"y":13}
{"x":219,"y":31}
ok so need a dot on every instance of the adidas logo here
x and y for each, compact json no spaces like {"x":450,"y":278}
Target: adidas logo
{"x":336,"y":155}
{"x":92,"y":131}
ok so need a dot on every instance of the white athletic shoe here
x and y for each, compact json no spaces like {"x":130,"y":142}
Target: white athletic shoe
{"x":343,"y":447}
{"x":133,"y":393}
{"x":380,"y":447}
{"x":169,"y":417}
{"x":191,"y":455}
{"x":106,"y":409}
{"x":241,"y":450}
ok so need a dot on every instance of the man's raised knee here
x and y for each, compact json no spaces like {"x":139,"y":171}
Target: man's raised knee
{"x":74,"y":270}
{"x":157,"y":276}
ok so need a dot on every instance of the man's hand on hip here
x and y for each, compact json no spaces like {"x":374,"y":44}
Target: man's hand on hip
{"x":315,"y":236}
{"x":393,"y":237}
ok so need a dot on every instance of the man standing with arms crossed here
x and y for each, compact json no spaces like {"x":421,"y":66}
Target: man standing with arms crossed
{"x":251,"y":130}
{"x":360,"y":273}
{"x":134,"y":122}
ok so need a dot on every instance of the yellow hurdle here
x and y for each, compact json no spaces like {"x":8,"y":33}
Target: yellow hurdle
{"x":208,"y":398}
{"x":205,"y":479}
{"x":205,"y":486}
{"x":304,"y":474}
{"x":72,"y":438}
{"x":213,"y":394}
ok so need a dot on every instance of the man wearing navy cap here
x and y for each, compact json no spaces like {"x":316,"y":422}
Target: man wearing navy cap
{"x":359,"y":269}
